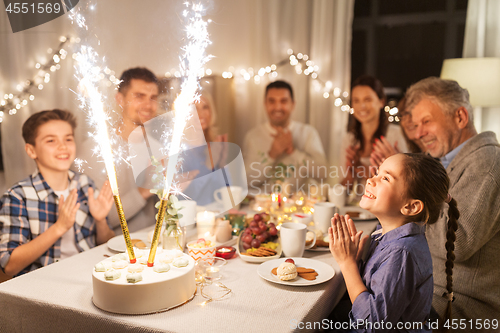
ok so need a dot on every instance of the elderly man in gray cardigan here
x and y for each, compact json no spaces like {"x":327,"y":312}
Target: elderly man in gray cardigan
{"x":443,"y":116}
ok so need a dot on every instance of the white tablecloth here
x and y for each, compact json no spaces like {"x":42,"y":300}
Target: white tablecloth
{"x":58,"y":298}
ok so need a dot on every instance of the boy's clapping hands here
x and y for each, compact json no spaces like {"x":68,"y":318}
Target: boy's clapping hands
{"x":67,"y":211}
{"x":99,"y":207}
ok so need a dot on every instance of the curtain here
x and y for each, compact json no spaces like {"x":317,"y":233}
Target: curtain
{"x":244,"y":33}
{"x":482,"y":39}
{"x":19,"y":54}
{"x":331,"y":44}
{"x":322,"y":29}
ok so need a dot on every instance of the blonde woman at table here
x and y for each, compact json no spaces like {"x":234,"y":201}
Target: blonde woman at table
{"x":394,"y":285}
{"x":206,"y":159}
{"x":367,"y":125}
{"x":52,"y":214}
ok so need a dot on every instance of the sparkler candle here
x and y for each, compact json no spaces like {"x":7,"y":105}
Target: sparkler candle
{"x":99,"y":119}
{"x":193,"y":60}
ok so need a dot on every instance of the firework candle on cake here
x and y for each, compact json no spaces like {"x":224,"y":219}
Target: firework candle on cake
{"x":98,"y":119}
{"x":192,"y":63}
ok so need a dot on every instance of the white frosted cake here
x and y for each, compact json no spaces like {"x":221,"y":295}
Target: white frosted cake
{"x":121,"y":287}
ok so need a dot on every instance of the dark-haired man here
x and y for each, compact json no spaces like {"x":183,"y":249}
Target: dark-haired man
{"x":282,"y":148}
{"x":137,"y":98}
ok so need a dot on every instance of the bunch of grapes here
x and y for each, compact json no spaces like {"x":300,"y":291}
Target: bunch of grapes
{"x":258,"y":232}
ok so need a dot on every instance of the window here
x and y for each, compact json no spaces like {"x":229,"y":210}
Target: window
{"x":402,"y":42}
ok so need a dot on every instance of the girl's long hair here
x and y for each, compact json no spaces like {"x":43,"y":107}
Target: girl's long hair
{"x":426,"y":180}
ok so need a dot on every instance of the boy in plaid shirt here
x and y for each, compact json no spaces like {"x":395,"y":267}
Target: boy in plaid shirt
{"x":53,"y":213}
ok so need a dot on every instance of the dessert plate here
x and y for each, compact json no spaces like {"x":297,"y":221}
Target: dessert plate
{"x":364,"y":215}
{"x":117,"y":243}
{"x":325,"y":272}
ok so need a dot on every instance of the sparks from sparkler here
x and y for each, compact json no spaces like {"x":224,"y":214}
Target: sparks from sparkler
{"x":89,"y":76}
{"x":79,"y":164}
{"x":97,"y":115}
{"x":192,"y":62}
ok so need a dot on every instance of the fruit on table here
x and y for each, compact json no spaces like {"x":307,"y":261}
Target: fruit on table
{"x":258,"y":232}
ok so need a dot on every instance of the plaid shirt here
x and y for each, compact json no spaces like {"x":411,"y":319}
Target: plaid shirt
{"x":30,"y":207}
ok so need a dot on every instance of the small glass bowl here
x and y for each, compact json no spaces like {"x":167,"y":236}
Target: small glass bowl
{"x":209,"y":272}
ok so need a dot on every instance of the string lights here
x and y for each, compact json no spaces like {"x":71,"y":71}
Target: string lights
{"x":13,"y":102}
{"x":302,"y":65}
{"x":393,"y":112}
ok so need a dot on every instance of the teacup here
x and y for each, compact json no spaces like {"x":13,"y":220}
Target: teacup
{"x":229,"y":197}
{"x":302,"y":218}
{"x":293,"y":239}
{"x":323,"y":213}
{"x":188,"y":212}
{"x":338,"y":195}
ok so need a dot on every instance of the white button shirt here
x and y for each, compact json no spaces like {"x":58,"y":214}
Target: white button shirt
{"x":308,"y":156}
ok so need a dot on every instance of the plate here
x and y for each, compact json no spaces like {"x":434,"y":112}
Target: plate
{"x":257,"y":259}
{"x":325,"y":272}
{"x":319,"y":249}
{"x":117,"y":243}
{"x":364,"y":215}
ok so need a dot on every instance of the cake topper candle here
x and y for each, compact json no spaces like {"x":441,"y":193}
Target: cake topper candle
{"x":192,"y":64}
{"x":156,"y":235}
{"x":89,"y":94}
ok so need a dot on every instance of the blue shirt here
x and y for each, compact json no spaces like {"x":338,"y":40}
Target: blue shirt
{"x":446,"y":159}
{"x":202,"y":188}
{"x":398,"y":276}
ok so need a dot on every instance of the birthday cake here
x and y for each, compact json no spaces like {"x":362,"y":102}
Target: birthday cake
{"x":122,"y":287}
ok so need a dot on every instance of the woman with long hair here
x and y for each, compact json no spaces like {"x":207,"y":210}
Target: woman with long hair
{"x":205,"y":159}
{"x":368,"y":124}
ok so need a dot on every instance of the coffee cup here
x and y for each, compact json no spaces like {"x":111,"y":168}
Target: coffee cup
{"x":293,"y":239}
{"x":323,"y":213}
{"x":337,"y":195}
{"x":188,"y":213}
{"x":229,"y":197}
{"x":302,"y":218}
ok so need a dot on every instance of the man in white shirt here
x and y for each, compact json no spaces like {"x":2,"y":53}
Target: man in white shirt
{"x":137,"y":98}
{"x":282,"y":148}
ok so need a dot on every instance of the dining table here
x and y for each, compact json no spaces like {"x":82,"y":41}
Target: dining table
{"x":58,"y":298}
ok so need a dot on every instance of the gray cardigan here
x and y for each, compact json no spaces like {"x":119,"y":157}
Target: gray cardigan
{"x":475,"y":184}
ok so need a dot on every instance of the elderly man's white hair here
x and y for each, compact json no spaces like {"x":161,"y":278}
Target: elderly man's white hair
{"x":447,"y":94}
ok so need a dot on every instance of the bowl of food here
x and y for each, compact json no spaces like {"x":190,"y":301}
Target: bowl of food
{"x":202,"y":250}
{"x":259,"y":241}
